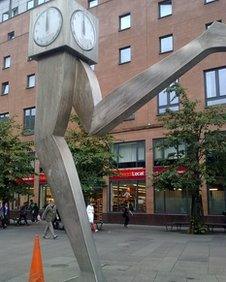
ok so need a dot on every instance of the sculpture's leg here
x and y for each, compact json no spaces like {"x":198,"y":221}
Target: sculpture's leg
{"x":56,"y":77}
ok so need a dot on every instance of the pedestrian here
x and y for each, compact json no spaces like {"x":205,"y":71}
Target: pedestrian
{"x":49,"y":215}
{"x":35,"y":212}
{"x":126,"y":214}
{"x":2,"y":215}
{"x":23,"y":214}
{"x":90,"y":213}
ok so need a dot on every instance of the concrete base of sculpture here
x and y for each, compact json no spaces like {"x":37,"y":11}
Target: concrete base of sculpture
{"x":65,"y":82}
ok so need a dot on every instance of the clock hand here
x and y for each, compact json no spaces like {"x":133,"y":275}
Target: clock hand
{"x":47,"y":21}
{"x":83,"y":26}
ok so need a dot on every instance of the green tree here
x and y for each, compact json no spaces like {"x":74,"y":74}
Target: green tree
{"x":92,"y":156}
{"x":200,"y":132}
{"x":15,"y":161}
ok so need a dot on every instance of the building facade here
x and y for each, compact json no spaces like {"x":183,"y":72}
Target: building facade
{"x":133,"y":36}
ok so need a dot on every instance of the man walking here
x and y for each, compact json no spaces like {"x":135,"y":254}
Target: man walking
{"x":49,"y":215}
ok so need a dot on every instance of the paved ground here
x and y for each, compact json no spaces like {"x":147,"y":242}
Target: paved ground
{"x":137,"y":254}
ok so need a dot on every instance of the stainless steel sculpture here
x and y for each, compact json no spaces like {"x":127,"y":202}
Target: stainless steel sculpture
{"x":64,"y":81}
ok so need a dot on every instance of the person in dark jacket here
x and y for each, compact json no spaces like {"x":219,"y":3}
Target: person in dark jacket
{"x":5,"y":215}
{"x":23,"y":214}
{"x":35,"y":212}
{"x":126,"y":214}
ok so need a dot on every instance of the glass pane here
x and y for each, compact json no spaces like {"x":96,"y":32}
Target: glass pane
{"x":170,"y":153}
{"x":15,"y":11}
{"x":127,"y":152}
{"x":141,"y":196}
{"x":173,"y":98}
{"x":125,"y":55}
{"x":7,"y":62}
{"x":5,"y":17}
{"x":162,"y":110}
{"x":33,"y":111}
{"x":176,"y":201}
{"x":30,"y":4}
{"x":162,"y":98}
{"x":31,"y":81}
{"x":210,"y":84}
{"x":159,"y":201}
{"x":222,"y":82}
{"x":5,"y":89}
{"x":114,"y":196}
{"x":216,"y":102}
{"x":173,"y":108}
{"x":166,"y":44}
{"x":41,"y":2}
{"x":216,"y":201}
{"x":141,"y":151}
{"x":93,"y":3}
{"x":158,"y":151}
{"x":125,"y":22}
{"x":165,"y":9}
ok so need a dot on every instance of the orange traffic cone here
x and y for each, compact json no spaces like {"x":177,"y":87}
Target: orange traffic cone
{"x":36,"y":270}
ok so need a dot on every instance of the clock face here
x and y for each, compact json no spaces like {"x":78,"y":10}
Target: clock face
{"x":83,"y":30}
{"x":47,"y":27}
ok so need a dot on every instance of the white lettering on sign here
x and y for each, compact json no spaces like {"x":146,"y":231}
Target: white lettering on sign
{"x":137,"y":173}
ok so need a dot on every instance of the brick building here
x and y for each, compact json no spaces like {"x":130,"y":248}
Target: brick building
{"x":134,"y":34}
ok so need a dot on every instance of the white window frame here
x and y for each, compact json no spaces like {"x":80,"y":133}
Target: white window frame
{"x":31,"y":80}
{"x":5,"y":88}
{"x":122,"y":25}
{"x":125,"y":61}
{"x":164,"y":49}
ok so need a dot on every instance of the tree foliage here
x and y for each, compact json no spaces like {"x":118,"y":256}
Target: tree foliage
{"x":15,"y":161}
{"x":205,"y":148}
{"x":92,"y":156}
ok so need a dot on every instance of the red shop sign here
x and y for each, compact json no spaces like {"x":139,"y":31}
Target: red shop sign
{"x":126,"y":174}
{"x":30,"y":180}
{"x":159,"y":169}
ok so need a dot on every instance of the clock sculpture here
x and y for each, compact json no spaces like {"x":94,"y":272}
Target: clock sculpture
{"x":64,"y":40}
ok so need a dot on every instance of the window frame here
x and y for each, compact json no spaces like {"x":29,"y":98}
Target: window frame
{"x":6,"y":13}
{"x":211,"y":1}
{"x":4,"y":62}
{"x":159,"y":9}
{"x":4,"y":84}
{"x":28,"y":80}
{"x":218,"y":96}
{"x":168,"y":105}
{"x":29,"y":1}
{"x":207,"y":25}
{"x":120,"y":23}
{"x":120,"y":50}
{"x":160,"y":45}
{"x":28,"y":130}
{"x":4,"y":116}
{"x":96,"y":3}
{"x":15,"y":11}
{"x":9,"y":35}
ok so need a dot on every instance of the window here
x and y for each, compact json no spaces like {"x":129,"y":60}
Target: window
{"x":215,"y":86}
{"x":5,"y":16}
{"x":209,"y":1}
{"x":30,"y":4}
{"x":125,"y":22}
{"x":164,"y":154}
{"x":129,"y":154}
{"x":41,"y":2}
{"x":29,"y":120}
{"x":166,"y":43}
{"x":14,"y":11}
{"x":92,"y":3}
{"x":137,"y":195}
{"x":31,"y":81}
{"x":5,"y":88}
{"x":165,"y":8}
{"x":11,"y":35}
{"x":131,"y":117}
{"x":209,"y":24}
{"x":125,"y":55}
{"x":7,"y":62}
{"x":172,"y":201}
{"x":4,"y":116}
{"x":167,"y":101}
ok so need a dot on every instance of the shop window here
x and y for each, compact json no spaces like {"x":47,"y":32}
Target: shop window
{"x":125,"y":55}
{"x":30,"y":4}
{"x":11,"y":35}
{"x":164,"y":155}
{"x":29,"y":120}
{"x":5,"y":88}
{"x":92,"y":3}
{"x":7,"y":62}
{"x":209,"y":24}
{"x":4,"y":116}
{"x":217,"y":199}
{"x":165,"y":8}
{"x":5,"y":16}
{"x":129,"y":154}
{"x":31,"y":81}
{"x":166,"y":43}
{"x":124,"y":22}
{"x":167,"y":101}
{"x":215,"y":86}
{"x":41,"y":2}
{"x":172,"y":201}
{"x":132,"y":193}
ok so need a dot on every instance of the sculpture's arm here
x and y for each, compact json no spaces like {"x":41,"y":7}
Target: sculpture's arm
{"x":134,"y":93}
